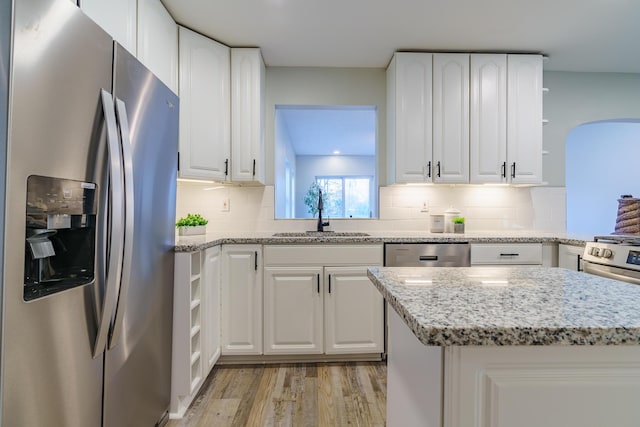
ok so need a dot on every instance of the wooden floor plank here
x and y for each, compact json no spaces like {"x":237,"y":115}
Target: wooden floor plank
{"x":262,"y":408}
{"x":326,"y":412}
{"x":218,"y":412}
{"x":323,"y":394}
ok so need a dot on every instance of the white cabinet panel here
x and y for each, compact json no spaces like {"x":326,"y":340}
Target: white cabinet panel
{"x":524,"y":118}
{"x":211,"y":307}
{"x":488,"y":118}
{"x":409,"y":124}
{"x":187,"y":371}
{"x":451,"y":117}
{"x":293,"y":299}
{"x":318,"y":299}
{"x":353,"y":307}
{"x":507,"y":253}
{"x":241,"y":300}
{"x":247,"y":115}
{"x":158,"y":41}
{"x":532,"y":386}
{"x":205,"y":128}
{"x":570,"y":257}
{"x":116,"y":17}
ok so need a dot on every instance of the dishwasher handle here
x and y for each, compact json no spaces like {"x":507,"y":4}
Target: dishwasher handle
{"x":428,"y":257}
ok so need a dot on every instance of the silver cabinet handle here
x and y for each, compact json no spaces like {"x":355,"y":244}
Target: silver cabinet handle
{"x":129,"y":222}
{"x":115,"y":211}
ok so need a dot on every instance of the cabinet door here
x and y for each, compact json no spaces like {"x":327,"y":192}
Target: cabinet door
{"x":409,"y":97}
{"x":211,"y":308}
{"x":116,"y":17}
{"x":353,"y":312}
{"x":488,"y":118}
{"x":247,"y":115}
{"x":451,"y":117}
{"x":524,"y":118}
{"x":158,"y":41}
{"x":205,"y":134}
{"x":241,"y":299}
{"x":570,"y":257}
{"x":293,"y":310}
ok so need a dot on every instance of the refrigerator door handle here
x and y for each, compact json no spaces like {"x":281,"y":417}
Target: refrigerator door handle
{"x":127,"y":157}
{"x":115,"y":210}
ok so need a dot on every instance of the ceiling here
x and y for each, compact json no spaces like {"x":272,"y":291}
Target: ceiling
{"x":319,"y":130}
{"x":576,"y":35}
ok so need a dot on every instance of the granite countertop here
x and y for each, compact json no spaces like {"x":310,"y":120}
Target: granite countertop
{"x":195,"y":243}
{"x":446,"y":306}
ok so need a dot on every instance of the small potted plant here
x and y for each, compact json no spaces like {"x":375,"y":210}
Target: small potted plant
{"x":458,"y":224}
{"x":191,"y":225}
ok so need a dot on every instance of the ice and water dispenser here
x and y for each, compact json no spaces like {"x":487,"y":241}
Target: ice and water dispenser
{"x":60,"y":235}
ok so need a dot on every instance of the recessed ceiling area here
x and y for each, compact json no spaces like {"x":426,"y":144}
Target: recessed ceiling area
{"x":576,"y":35}
{"x":323,"y":130}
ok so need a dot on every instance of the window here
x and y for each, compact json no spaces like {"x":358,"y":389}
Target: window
{"x":328,"y":142}
{"x":346,"y":196}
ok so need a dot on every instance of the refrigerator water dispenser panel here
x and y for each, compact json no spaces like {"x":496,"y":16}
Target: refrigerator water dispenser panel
{"x":60,"y":235}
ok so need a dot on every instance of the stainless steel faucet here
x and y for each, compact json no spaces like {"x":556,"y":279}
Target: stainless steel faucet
{"x":321,"y":224}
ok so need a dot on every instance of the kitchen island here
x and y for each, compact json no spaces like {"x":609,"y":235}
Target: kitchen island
{"x":510,"y":346}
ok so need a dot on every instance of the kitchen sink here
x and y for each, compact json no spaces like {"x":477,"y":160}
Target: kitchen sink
{"x":321,"y":234}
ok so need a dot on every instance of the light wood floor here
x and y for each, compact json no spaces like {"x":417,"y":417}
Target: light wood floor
{"x":322,"y":394}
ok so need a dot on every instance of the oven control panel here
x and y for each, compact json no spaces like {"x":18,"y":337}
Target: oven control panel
{"x":615,"y":255}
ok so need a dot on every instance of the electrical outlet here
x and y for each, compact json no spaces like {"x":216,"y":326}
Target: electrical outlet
{"x":226,"y":205}
{"x":425,"y":207}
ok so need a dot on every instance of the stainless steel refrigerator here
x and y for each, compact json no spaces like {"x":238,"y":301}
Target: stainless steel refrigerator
{"x":88,"y":138}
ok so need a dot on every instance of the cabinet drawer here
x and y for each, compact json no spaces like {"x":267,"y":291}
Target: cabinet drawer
{"x":508,"y":254}
{"x":334,"y":255}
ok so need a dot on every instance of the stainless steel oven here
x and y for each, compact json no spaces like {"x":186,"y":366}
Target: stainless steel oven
{"x":615,"y":257}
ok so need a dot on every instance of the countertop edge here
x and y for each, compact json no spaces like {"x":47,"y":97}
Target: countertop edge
{"x":562,"y":336}
{"x":195,"y":243}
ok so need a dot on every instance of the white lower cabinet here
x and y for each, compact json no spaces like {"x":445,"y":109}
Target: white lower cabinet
{"x":211,"y":308}
{"x":570,"y":257}
{"x":293,"y":300}
{"x":196,"y":324}
{"x":241,"y":300}
{"x":353,"y":312}
{"x":315,"y":302}
{"x":506,"y":254}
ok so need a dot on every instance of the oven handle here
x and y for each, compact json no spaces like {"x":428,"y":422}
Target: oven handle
{"x":609,"y":272}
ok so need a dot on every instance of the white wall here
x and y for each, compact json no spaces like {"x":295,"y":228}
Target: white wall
{"x":577,"y":98}
{"x":485,"y":208}
{"x":283,"y":152}
{"x":603,"y":162}
{"x":311,"y":166}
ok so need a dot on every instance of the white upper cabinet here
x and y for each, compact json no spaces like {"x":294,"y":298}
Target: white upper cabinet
{"x":205,"y":107}
{"x":247,"y":115}
{"x":488,"y":118}
{"x":451,"y":117}
{"x":409,"y":124}
{"x":524,"y":118}
{"x":158,"y":41}
{"x":116,"y":17}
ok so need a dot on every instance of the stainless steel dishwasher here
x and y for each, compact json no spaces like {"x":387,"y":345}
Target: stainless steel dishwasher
{"x":450,"y":254}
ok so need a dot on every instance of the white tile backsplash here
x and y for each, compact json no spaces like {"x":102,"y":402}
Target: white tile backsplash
{"x":486,"y":208}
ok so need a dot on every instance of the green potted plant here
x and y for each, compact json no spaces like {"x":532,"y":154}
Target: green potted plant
{"x":192,"y":224}
{"x":458,"y":224}
{"x":311,"y":198}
